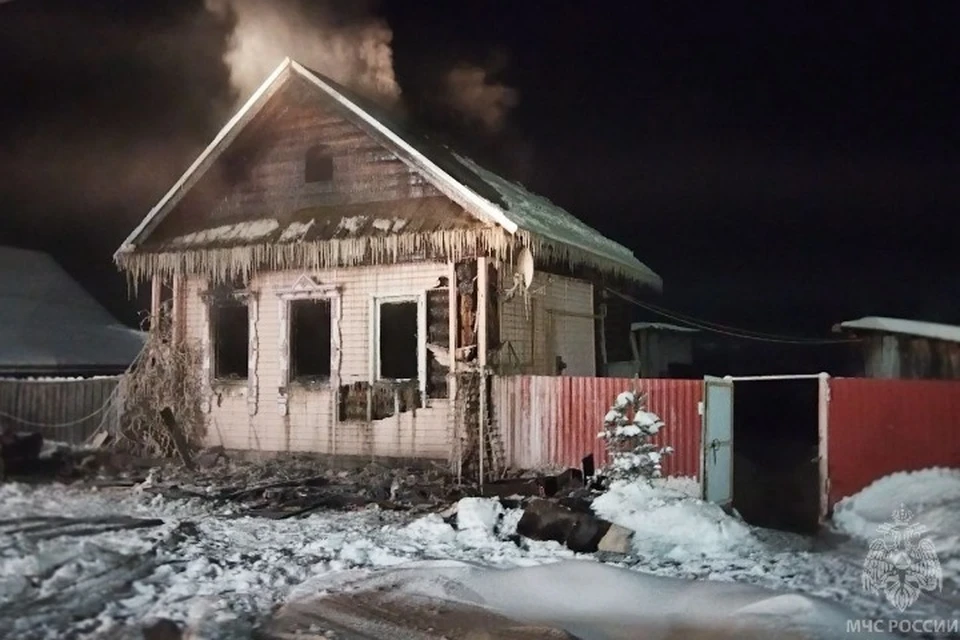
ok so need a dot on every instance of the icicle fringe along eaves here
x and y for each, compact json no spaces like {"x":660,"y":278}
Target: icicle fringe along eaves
{"x":223,"y":264}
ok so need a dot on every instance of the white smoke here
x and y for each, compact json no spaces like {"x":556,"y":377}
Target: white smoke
{"x":355,"y":53}
{"x":478,"y":98}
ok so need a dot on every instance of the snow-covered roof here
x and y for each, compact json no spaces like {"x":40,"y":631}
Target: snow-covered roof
{"x":48,"y":322}
{"x":919,"y":328}
{"x":661,"y":326}
{"x":489,"y":197}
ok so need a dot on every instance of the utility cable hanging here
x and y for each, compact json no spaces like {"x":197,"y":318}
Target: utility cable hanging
{"x":108,"y":403}
{"x":112,"y":398}
{"x":727,"y":330}
{"x":744,"y":332}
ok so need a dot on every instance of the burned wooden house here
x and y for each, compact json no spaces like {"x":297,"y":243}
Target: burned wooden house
{"x":909,"y":349}
{"x":350,"y":285}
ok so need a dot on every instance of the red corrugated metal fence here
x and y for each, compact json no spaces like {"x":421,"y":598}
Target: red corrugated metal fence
{"x":878,"y":427}
{"x":545,"y":421}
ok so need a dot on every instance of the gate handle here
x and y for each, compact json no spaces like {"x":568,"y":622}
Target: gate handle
{"x":714,"y":445}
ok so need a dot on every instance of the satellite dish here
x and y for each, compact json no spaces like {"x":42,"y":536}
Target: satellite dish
{"x":525,"y":266}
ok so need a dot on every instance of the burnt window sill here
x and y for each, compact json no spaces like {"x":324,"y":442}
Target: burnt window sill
{"x":311,"y":383}
{"x":230,"y":382}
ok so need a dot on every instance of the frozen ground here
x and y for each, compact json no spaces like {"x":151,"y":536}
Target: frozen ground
{"x":78,"y":562}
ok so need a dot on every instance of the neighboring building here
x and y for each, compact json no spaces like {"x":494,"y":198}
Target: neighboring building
{"x":51,"y":327}
{"x":660,"y":350}
{"x":897,"y":348}
{"x":347,"y":280}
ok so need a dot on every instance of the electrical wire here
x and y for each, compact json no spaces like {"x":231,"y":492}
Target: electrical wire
{"x":727,"y":330}
{"x":113,"y":397}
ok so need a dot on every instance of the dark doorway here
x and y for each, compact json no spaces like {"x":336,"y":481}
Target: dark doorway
{"x":776,"y":471}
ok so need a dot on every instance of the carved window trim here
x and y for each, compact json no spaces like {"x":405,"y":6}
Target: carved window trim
{"x":211,"y":384}
{"x":307,"y":288}
{"x":376,"y":301}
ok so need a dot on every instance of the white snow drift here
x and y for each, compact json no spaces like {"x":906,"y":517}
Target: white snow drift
{"x":932,"y":496}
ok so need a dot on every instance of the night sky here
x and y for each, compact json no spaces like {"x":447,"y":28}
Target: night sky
{"x":783,"y":168}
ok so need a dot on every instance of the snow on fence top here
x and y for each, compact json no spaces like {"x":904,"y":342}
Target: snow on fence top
{"x":918,"y":328}
{"x":661,"y":326}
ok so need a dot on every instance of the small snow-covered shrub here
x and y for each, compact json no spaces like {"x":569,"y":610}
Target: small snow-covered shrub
{"x":627,"y":429}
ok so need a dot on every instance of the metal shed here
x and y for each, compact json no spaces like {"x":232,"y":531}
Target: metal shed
{"x":907,"y":349}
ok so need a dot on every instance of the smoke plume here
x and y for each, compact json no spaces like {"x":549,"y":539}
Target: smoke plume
{"x":353,"y":50}
{"x":479,"y":99}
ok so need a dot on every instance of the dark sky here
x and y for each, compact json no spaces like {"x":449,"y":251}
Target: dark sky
{"x":782,"y":166}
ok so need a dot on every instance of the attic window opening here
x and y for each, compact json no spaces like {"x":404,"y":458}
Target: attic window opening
{"x":231,"y":338}
{"x":398,"y":340}
{"x":310,"y":335}
{"x":318,"y":166}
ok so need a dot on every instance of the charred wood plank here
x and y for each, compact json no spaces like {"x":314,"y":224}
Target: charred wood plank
{"x":179,"y":440}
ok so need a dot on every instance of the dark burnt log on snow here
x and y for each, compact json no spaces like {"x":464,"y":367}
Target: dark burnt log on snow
{"x":580,"y":531}
{"x":19,"y":453}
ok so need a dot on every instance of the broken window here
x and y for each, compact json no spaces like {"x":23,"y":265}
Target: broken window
{"x":398,"y":340}
{"x":310,"y":339}
{"x":318,"y":165}
{"x":231,"y":339}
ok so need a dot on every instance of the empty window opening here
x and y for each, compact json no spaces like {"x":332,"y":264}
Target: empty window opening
{"x":231,"y":337}
{"x":319,"y":165}
{"x":398,"y":340}
{"x":310,"y":340}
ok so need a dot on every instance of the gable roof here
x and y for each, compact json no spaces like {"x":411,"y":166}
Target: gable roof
{"x":531,"y":219}
{"x":917,"y":328}
{"x":49,"y":323}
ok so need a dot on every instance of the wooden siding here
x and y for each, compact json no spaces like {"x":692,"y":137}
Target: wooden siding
{"x":69,"y":410}
{"x":553,"y":317}
{"x":309,"y":423}
{"x":262,"y":175}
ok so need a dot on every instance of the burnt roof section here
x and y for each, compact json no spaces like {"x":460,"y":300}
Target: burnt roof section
{"x":327,"y":222}
{"x":531,"y":212}
{"x":489,"y":198}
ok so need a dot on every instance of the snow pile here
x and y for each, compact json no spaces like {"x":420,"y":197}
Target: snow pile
{"x":932,"y":496}
{"x":618,"y":604}
{"x":669,"y":522}
{"x":478,"y":517}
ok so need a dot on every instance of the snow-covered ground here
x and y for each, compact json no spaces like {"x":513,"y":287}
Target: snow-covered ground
{"x":71,"y":560}
{"x":596,"y":601}
{"x":932,"y":499}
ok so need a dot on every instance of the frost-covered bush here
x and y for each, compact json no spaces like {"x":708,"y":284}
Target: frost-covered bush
{"x":627,"y":429}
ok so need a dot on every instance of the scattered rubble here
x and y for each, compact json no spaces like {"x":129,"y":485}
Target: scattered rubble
{"x":28,"y":455}
{"x":556,"y":506}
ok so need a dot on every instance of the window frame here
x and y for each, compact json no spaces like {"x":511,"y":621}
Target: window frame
{"x":376,"y":302}
{"x":216,"y":306}
{"x":293,"y":377}
{"x":306,"y":288}
{"x":213,"y":386}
